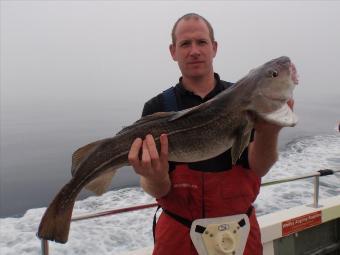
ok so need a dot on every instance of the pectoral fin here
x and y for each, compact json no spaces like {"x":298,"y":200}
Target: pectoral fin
{"x":241,"y":142}
{"x":283,"y":117}
{"x":102,"y":183}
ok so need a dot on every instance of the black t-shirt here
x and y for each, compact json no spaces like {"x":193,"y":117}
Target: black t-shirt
{"x":186,"y":99}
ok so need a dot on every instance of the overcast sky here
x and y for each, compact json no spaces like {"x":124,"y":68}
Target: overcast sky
{"x":64,"y":62}
{"x":73,"y":50}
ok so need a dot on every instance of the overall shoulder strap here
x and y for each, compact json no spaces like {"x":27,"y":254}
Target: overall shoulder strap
{"x":227,"y":84}
{"x":169,"y":100}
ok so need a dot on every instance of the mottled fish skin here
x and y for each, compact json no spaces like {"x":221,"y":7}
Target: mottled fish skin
{"x":194,"y":134}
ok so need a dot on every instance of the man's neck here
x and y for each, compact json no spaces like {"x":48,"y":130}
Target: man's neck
{"x":200,"y":86}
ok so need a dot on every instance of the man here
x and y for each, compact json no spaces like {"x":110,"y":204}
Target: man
{"x":210,"y":188}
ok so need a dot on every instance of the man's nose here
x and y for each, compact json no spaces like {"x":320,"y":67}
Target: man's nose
{"x":194,"y":50}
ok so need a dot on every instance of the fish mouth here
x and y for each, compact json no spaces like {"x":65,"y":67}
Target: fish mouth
{"x":285,"y":64}
{"x":282,"y":100}
{"x":294,"y":74}
{"x":277,"y":98}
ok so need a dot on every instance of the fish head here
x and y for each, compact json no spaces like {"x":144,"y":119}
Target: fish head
{"x":273,"y":85}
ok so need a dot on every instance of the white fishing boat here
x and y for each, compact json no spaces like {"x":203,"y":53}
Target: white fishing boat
{"x":309,"y":229}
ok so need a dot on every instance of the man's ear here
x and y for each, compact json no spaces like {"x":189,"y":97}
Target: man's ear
{"x":215,"y":47}
{"x":172,"y":49}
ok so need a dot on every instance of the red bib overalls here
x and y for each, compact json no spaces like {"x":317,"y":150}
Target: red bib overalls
{"x":195,"y":195}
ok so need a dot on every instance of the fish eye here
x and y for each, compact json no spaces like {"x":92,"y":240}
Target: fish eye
{"x":273,"y":73}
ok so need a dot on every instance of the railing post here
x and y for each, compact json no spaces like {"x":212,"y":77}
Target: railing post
{"x":44,"y":247}
{"x":316,"y":191}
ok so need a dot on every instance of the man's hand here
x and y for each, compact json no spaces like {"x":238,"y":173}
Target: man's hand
{"x":263,"y":150}
{"x":261,"y":126}
{"x":153,"y":167}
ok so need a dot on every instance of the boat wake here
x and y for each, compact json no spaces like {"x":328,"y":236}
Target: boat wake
{"x":129,"y":231}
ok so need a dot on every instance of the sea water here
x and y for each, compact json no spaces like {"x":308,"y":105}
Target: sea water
{"x":130,"y":231}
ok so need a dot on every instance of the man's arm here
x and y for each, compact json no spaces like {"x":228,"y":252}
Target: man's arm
{"x":263,"y":152}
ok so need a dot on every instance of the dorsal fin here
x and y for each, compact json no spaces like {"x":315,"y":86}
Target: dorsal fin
{"x":145,"y":119}
{"x":189,"y":111}
{"x":80,"y":154}
{"x":151,"y":117}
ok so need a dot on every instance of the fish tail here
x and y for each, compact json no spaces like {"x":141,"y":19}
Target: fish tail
{"x":55,"y":224}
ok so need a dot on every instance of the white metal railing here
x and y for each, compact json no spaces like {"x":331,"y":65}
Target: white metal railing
{"x":316,"y":175}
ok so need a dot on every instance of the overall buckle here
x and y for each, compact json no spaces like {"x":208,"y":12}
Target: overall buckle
{"x":220,"y":236}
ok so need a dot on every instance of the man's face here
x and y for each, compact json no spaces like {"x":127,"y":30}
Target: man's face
{"x":193,"y":50}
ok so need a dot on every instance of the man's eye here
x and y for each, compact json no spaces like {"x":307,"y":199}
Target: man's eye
{"x":201,"y":42}
{"x":184,"y":44}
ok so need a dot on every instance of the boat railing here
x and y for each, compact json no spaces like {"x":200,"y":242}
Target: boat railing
{"x":316,"y":175}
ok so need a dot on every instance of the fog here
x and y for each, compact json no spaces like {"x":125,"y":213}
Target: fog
{"x":76,"y":71}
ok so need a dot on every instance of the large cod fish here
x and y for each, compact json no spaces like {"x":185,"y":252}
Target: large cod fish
{"x":194,"y":134}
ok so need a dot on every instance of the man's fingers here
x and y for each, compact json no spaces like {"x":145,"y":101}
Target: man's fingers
{"x":150,"y":142}
{"x":133,"y":155}
{"x":146,"y":160}
{"x":164,"y":147}
{"x":153,"y":152}
{"x":151,"y":161}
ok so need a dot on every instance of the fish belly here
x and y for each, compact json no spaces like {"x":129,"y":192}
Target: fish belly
{"x":192,"y":146}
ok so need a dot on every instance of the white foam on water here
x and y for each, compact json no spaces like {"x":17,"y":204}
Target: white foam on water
{"x":105,"y":235}
{"x":128,"y":231}
{"x":300,"y":157}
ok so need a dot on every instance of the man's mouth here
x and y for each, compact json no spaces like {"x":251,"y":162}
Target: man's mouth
{"x":195,"y":62}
